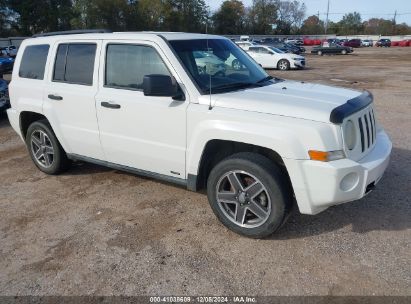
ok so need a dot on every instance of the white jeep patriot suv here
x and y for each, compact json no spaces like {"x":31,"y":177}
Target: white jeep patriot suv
{"x":144,"y":103}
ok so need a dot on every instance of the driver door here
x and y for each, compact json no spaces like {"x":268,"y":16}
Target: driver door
{"x":142,"y":132}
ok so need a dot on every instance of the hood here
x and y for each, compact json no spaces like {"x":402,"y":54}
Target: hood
{"x":288,"y":98}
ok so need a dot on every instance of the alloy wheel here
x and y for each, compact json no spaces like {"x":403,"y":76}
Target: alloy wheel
{"x":243,"y":199}
{"x":283,"y":65}
{"x":42,"y":148}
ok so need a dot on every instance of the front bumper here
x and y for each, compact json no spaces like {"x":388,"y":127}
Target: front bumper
{"x":319,"y":185}
{"x":298,"y":63}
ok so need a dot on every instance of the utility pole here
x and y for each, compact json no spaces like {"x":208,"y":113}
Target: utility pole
{"x":326,"y":20}
{"x":394,"y":23}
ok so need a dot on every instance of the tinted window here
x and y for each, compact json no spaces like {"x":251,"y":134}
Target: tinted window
{"x":75,"y":63}
{"x":60,"y":63}
{"x":126,"y":65}
{"x":34,"y":61}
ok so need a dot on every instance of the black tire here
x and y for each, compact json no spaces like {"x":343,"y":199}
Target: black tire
{"x":319,"y":53}
{"x":344,"y":52}
{"x":59,"y":162}
{"x":275,"y":186}
{"x":283,"y":65}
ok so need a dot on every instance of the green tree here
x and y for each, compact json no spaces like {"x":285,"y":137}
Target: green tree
{"x":230,"y":18}
{"x":263,"y":16}
{"x":312,"y":26}
{"x":33,"y":17}
{"x":351,"y":24}
{"x":402,"y":29}
{"x":378,"y":26}
{"x":290,"y":15}
{"x":153,"y":14}
{"x":110,"y":14}
{"x":187,"y":15}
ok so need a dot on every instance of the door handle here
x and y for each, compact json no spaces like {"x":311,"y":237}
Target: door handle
{"x":55,"y":97}
{"x":110,"y":105}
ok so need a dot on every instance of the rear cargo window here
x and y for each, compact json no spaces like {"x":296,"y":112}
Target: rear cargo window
{"x":75,"y":63}
{"x":33,"y":62}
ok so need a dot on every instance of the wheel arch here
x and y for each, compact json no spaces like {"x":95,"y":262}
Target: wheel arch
{"x":26,"y":118}
{"x":215,"y":150}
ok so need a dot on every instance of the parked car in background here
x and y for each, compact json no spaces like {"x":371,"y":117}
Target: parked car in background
{"x":332,"y":49}
{"x":296,"y":41}
{"x":6,"y":64}
{"x":269,"y":40}
{"x":355,"y":43}
{"x":383,"y":43}
{"x":334,"y":41}
{"x":273,"y":58}
{"x":367,"y":43}
{"x":245,"y":45}
{"x":10,"y":50}
{"x":208,"y":63}
{"x":4,"y":95}
{"x":342,"y":41}
{"x":244,"y":38}
{"x":287,"y":47}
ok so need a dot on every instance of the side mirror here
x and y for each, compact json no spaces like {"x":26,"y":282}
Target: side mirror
{"x":160,"y":85}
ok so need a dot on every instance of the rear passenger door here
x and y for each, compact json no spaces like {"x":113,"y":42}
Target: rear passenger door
{"x":138,"y":131}
{"x":69,"y":96}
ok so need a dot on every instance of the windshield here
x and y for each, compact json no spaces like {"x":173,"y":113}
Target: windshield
{"x":218,"y":65}
{"x":277,"y":50}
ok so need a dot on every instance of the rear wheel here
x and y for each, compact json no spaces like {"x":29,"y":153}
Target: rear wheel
{"x":283,"y":65}
{"x":45,"y":150}
{"x":248,"y":194}
{"x":344,"y":52}
{"x":319,"y":53}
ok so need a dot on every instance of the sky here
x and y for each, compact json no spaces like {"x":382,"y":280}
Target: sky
{"x":367,"y":8}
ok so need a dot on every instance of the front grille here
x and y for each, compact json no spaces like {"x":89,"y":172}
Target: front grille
{"x":366,"y":133}
{"x":367,"y":127}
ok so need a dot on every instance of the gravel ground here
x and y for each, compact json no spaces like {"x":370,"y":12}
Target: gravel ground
{"x":103,"y":232}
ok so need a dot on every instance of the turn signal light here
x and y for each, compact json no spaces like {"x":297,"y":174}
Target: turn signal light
{"x":326,"y":156}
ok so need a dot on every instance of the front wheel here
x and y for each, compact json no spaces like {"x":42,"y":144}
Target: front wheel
{"x":344,"y":52}
{"x":44,"y":148}
{"x":248,"y":194}
{"x":283,"y":65}
{"x":319,"y":53}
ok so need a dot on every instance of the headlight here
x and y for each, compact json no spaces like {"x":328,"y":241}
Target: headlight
{"x":350,"y":135}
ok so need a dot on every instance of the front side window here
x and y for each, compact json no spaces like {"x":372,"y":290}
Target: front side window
{"x":127,"y":64}
{"x":218,"y":65}
{"x":33,"y":63}
{"x":75,"y":63}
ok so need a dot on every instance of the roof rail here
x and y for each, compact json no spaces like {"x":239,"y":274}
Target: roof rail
{"x":73,"y":32}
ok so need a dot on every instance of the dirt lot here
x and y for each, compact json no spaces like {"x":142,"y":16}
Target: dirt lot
{"x":98,"y":231}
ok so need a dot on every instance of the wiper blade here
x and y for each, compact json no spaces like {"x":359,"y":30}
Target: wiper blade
{"x":265,"y":79}
{"x":234,"y":85}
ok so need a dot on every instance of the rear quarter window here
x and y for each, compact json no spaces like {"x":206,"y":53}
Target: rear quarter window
{"x":33,"y":62}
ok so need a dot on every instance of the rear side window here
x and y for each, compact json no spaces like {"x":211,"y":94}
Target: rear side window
{"x":75,"y":63}
{"x":33,"y":62}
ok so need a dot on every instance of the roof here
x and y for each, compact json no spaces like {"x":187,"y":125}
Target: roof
{"x":125,"y":35}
